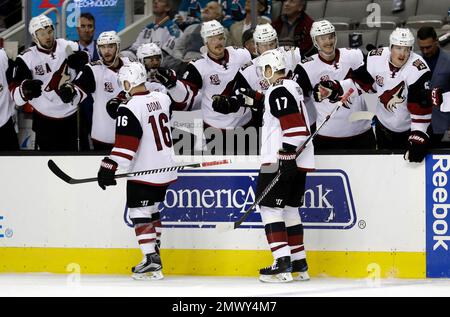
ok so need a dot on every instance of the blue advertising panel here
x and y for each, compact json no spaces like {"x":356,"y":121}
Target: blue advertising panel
{"x":437,"y":216}
{"x":204,"y":198}
{"x":109,"y":14}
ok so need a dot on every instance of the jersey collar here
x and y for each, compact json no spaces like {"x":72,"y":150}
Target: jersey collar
{"x":48,"y":52}
{"x":335,"y":60}
{"x":222,"y":61}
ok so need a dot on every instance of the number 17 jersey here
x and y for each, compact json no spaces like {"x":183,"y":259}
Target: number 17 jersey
{"x":143,"y":138}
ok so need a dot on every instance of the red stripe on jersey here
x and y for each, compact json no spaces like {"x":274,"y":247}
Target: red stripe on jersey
{"x":128,"y":157}
{"x":296,"y":133}
{"x":293,"y":120}
{"x":127,"y":142}
{"x":278,"y":247}
{"x":146,"y":241}
{"x":416,"y":109}
{"x":274,"y":237}
{"x":421,"y":120}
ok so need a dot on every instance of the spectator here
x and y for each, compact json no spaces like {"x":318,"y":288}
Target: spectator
{"x":249,"y":43}
{"x":238,"y":28}
{"x":187,"y":46}
{"x":8,"y":136}
{"x":436,"y":58}
{"x":235,"y":11}
{"x":189,"y":12}
{"x":294,"y":27}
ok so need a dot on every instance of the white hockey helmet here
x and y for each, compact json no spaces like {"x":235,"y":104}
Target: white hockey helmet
{"x":211,"y":28}
{"x":401,"y":37}
{"x":148,"y":50}
{"x":264,"y":33}
{"x":108,"y":37}
{"x":272,"y":58}
{"x":321,"y":28}
{"x":40,"y":22}
{"x":134,"y":73}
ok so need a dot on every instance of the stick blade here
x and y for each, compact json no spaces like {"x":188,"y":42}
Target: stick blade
{"x":58,"y":172}
{"x":225,"y":227}
{"x":361,"y":115}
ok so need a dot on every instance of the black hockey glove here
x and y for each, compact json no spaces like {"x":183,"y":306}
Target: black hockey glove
{"x":31,"y":88}
{"x":287,"y":164}
{"x":112,"y":105}
{"x":417,"y":147}
{"x":226,"y":105}
{"x":106,"y":173}
{"x":330,"y":89}
{"x":77,"y":60}
{"x":167,"y":77}
{"x":67,"y":92}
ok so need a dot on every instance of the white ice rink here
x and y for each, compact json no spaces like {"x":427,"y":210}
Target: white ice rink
{"x":181,"y":286}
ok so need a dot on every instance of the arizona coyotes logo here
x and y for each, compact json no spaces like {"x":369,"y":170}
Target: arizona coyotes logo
{"x":60,"y":77}
{"x":214,"y":79}
{"x":419,"y":64}
{"x":390,"y":98}
{"x":39,"y":70}
{"x":324,"y":78}
{"x":379,"y":80}
{"x":109,"y":87}
{"x":264,"y":84}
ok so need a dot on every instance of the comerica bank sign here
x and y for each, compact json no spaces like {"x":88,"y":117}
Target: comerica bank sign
{"x":202,"y":199}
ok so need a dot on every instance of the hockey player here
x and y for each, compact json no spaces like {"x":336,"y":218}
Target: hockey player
{"x":211,"y":75}
{"x":284,"y":130}
{"x":40,"y":72}
{"x":150,"y":55}
{"x":332,"y":63}
{"x":400,"y":78}
{"x":100,"y":80}
{"x":8,"y":135}
{"x":143,"y":141}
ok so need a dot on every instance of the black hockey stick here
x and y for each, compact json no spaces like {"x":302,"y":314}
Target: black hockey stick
{"x":234,"y":225}
{"x":58,"y":172}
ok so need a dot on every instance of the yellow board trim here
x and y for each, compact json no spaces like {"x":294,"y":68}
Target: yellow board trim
{"x":211,"y":262}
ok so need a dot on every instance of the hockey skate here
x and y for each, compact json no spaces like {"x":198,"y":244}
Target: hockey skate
{"x":149,"y":269}
{"x":300,"y":270}
{"x":278,"y":272}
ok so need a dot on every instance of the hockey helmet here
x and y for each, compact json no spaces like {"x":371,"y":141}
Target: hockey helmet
{"x":401,"y":37}
{"x":264,"y":33}
{"x":148,"y":50}
{"x":134,"y":73}
{"x":108,"y":37}
{"x":321,"y":28}
{"x":40,"y":22}
{"x":211,"y":28}
{"x":272,"y":58}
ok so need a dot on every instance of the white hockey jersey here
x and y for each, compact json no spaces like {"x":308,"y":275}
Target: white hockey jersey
{"x":285,"y":121}
{"x":143,"y":137}
{"x":6,"y":103}
{"x":52,"y":69}
{"x":212,"y":77}
{"x":312,"y":70}
{"x":101,"y":82}
{"x":402,"y":102}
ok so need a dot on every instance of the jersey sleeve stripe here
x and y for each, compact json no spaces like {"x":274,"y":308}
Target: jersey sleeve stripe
{"x":123,"y":155}
{"x":292,"y":121}
{"x":127,"y":142}
{"x":416,"y":109}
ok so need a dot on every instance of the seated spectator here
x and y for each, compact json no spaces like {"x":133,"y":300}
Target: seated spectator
{"x":163,"y":31}
{"x":189,"y":12}
{"x":188,"y":45}
{"x":294,"y":27}
{"x":235,"y":11}
{"x":238,"y":28}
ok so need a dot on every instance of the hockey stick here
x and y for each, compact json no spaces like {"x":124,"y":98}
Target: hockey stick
{"x":222,"y":227}
{"x":361,"y":115}
{"x":58,"y":172}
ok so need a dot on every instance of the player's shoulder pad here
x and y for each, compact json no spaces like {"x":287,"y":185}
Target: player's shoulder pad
{"x":419,"y":64}
{"x":376,"y":52}
{"x":96,"y":63}
{"x":307,"y":59}
{"x":27,"y":51}
{"x":247,"y":65}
